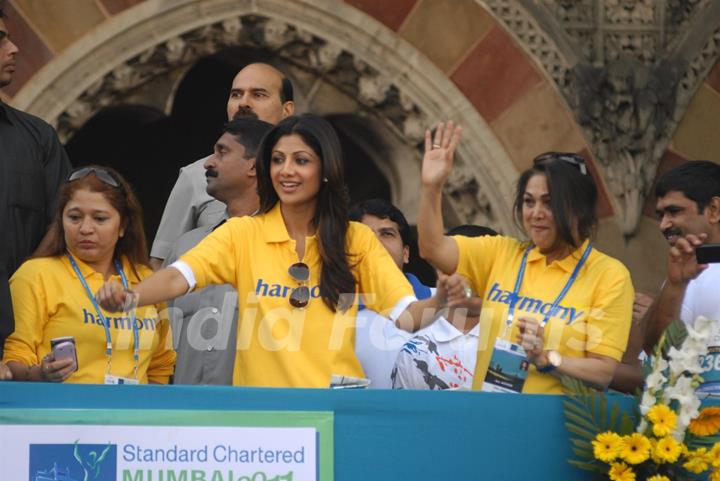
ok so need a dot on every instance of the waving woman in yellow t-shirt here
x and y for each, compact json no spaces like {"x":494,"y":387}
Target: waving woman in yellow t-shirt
{"x":98,"y":235}
{"x":554,"y":301}
{"x":297,"y":267}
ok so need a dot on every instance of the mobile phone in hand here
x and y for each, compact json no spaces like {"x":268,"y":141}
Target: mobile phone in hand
{"x":63,"y":348}
{"x":708,"y":253}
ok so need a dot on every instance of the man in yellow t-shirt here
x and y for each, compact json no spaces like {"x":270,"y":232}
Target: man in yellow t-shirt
{"x":277,"y":344}
{"x":594,"y":316}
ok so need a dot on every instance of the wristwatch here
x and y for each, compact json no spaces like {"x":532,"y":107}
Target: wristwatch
{"x":554,"y":359}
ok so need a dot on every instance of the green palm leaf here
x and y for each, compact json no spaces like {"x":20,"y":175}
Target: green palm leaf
{"x":583,"y":433}
{"x":694,"y":442}
{"x":582,"y":444}
{"x":614,"y":411}
{"x":589,"y":466}
{"x":583,"y":453}
{"x":603,"y":409}
{"x":586,"y":415}
{"x":627,"y":424}
{"x":674,"y":335}
{"x":582,"y":422}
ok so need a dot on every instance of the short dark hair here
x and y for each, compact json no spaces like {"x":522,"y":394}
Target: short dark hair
{"x":470,"y":230}
{"x":382,"y":209}
{"x":248,"y":132}
{"x":698,"y":180}
{"x":573,"y":194}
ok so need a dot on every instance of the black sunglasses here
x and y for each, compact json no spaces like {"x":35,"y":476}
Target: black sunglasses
{"x":300,"y":296}
{"x":573,"y":159}
{"x":103,"y":175}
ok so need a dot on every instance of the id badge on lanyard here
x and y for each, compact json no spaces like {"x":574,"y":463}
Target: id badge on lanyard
{"x":109,"y":378}
{"x":509,"y":365}
{"x":508,"y":368}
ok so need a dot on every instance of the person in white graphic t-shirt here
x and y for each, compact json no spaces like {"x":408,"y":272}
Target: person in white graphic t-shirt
{"x":443,"y":355}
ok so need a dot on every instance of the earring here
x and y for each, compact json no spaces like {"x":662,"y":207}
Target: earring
{"x":325,"y":179}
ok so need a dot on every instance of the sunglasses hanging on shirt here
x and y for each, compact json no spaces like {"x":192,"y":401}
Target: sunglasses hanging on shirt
{"x":300,"y":296}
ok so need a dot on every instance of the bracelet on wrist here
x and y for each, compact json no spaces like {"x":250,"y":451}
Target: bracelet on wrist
{"x":132,"y":299}
{"x":553,"y":361}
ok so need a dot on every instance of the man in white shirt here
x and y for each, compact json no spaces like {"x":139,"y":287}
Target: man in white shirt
{"x":443,"y":355}
{"x":259,"y":90}
{"x":377,"y":339}
{"x":688,"y":206}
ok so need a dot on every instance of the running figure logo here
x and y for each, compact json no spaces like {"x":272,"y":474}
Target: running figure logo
{"x":91,"y":464}
{"x":73,"y":462}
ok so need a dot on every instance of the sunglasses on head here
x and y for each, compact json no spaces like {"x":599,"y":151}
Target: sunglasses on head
{"x":300,"y":296}
{"x":103,"y":175}
{"x":573,"y":159}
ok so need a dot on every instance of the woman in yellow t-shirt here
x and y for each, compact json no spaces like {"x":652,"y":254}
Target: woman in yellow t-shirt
{"x":567,"y":305}
{"x":297,"y":267}
{"x":98,"y":235}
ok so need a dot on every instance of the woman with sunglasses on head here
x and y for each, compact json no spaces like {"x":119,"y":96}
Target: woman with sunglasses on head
{"x":297,"y":267}
{"x":98,"y":236}
{"x":554,"y":300}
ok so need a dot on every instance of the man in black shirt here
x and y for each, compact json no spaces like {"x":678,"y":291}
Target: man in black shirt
{"x":33,"y":165}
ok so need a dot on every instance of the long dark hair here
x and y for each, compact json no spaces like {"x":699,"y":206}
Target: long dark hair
{"x":573,"y":195}
{"x":331,"y":218}
{"x":132,"y":244}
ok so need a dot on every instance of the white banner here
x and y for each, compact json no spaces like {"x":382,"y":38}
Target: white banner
{"x":157,"y":453}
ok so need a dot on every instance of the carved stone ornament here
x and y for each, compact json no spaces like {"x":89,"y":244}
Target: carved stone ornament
{"x":628,"y":69}
{"x":353,"y":75}
{"x":464,"y":192}
{"x":347,"y":71}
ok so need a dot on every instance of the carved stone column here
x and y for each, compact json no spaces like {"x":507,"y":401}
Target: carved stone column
{"x":628,"y":69}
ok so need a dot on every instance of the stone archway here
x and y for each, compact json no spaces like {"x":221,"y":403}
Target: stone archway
{"x":334,"y":41}
{"x":628,"y":72}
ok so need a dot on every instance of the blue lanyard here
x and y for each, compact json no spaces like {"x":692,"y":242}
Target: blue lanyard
{"x":518,"y":282}
{"x":105,"y":322}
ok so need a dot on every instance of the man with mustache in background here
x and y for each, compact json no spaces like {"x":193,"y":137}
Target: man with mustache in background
{"x":33,"y":164}
{"x":259,"y":91}
{"x":205,"y":322}
{"x":688,"y":206}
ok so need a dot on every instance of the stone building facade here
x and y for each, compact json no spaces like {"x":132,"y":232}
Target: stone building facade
{"x":634,"y":85}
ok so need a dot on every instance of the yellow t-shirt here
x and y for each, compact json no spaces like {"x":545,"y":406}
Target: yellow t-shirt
{"x":594,"y":316}
{"x":49,"y":301}
{"x":278,"y":345}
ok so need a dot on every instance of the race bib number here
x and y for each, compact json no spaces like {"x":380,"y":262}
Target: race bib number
{"x":710,"y":364}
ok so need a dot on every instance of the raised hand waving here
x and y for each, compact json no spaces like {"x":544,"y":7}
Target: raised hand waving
{"x":440,"y":153}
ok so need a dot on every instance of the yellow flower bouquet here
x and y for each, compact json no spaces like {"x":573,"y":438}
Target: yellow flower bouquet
{"x":669,"y":438}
